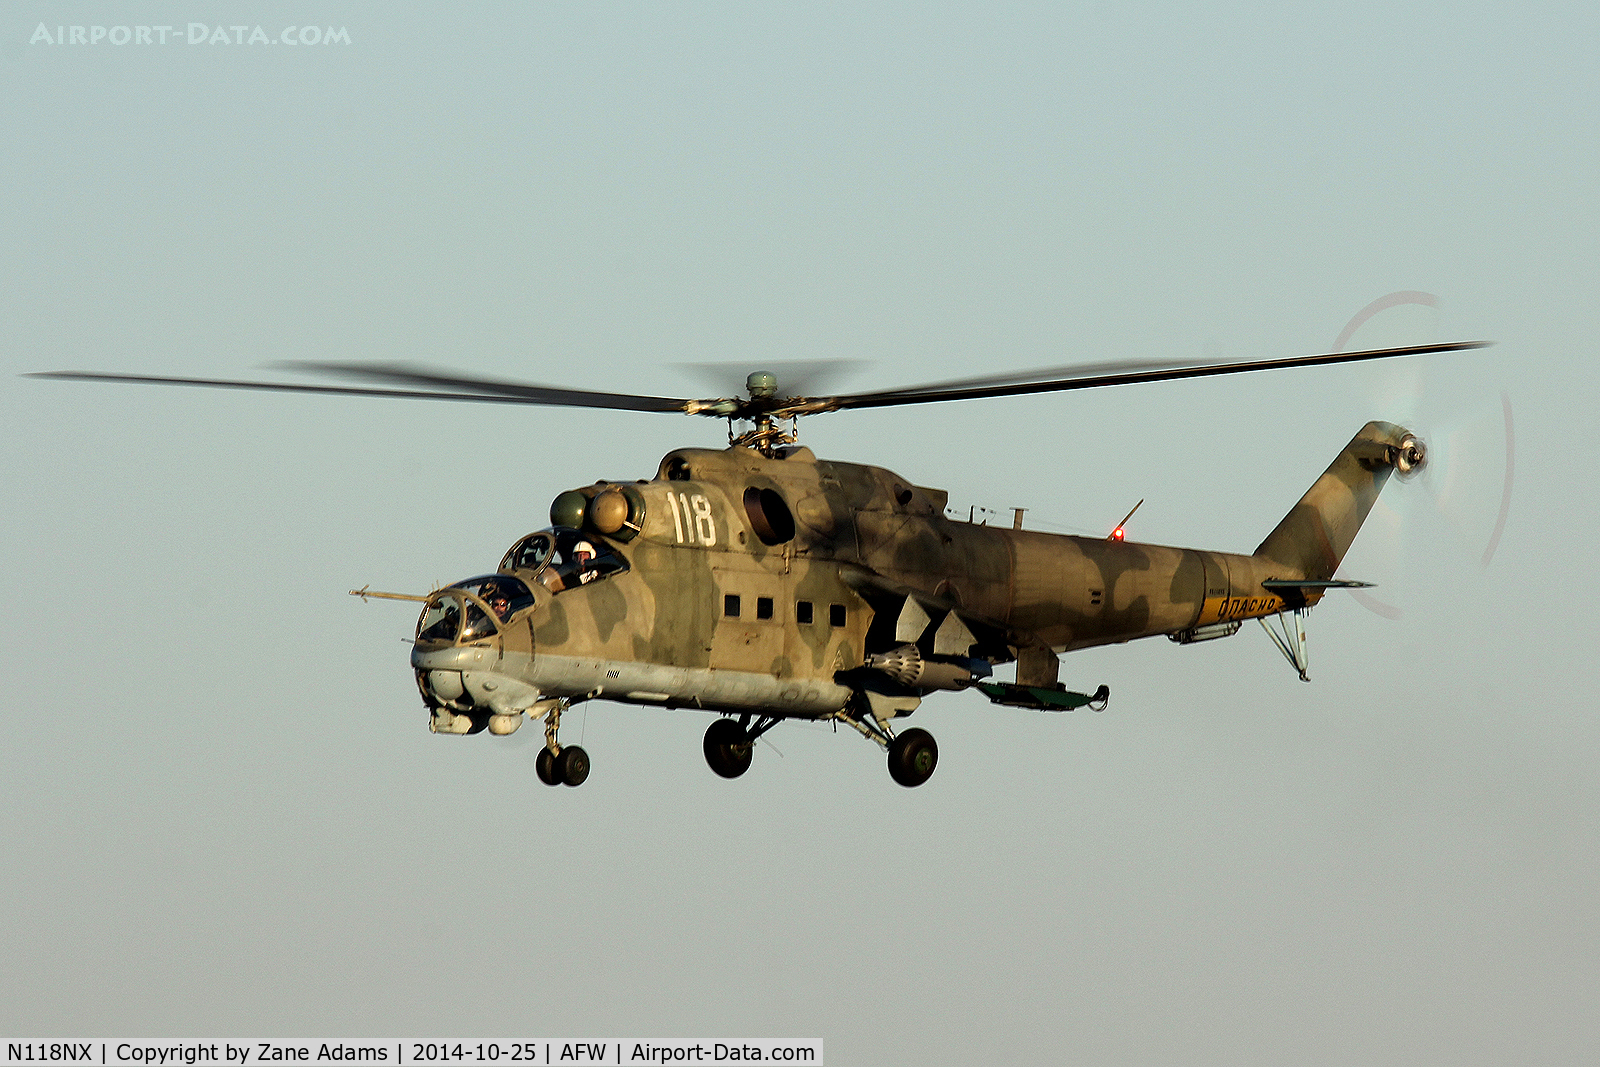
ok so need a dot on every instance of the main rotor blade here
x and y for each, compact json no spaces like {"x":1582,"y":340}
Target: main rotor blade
{"x":1071,"y":371}
{"x":1018,"y":384}
{"x":526,"y":392}
{"x":530,"y":395}
{"x":494,"y":391}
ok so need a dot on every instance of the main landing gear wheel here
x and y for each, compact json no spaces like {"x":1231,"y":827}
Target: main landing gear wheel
{"x":545,"y":765}
{"x":572,"y":765}
{"x":728,"y":748}
{"x":912,"y":757}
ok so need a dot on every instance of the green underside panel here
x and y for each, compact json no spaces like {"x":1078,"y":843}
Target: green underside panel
{"x":1039,"y":698}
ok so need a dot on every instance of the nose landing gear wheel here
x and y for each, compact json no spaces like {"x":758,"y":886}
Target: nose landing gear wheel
{"x":728,"y":748}
{"x":545,"y":765}
{"x":572,"y":766}
{"x":913,"y":755}
{"x":558,"y":764}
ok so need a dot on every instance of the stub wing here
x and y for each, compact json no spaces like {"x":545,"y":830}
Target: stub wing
{"x":903,"y":615}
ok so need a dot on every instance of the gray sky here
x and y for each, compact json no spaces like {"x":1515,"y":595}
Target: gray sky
{"x":223,"y":811}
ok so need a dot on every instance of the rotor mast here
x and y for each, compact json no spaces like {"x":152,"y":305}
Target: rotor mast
{"x":765,"y":410}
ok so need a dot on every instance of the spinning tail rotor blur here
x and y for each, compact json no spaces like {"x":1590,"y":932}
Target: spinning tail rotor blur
{"x":1459,"y":496}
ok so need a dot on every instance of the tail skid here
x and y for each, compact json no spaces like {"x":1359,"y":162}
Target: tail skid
{"x":1293,"y":642}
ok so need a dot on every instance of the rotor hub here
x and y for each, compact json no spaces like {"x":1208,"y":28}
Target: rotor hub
{"x":1410,"y":456}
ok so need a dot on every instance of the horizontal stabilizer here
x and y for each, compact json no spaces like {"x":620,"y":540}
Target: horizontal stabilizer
{"x":1315,"y":583}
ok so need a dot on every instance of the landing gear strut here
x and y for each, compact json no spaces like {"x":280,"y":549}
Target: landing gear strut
{"x":912,"y":755}
{"x":557,"y":765}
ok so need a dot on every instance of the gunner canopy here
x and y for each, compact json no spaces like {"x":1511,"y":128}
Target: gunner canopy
{"x":472,"y":610}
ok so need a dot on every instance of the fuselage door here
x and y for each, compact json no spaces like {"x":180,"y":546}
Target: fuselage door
{"x":753,"y":621}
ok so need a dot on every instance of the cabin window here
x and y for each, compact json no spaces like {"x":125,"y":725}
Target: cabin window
{"x":478,"y":627}
{"x":528,"y":554}
{"x":836,"y":615}
{"x":730,"y":605}
{"x":802,"y":612}
{"x":441,"y":620}
{"x":763,"y":607}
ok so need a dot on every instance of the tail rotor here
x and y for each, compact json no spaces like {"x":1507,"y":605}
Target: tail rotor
{"x":1455,"y":496}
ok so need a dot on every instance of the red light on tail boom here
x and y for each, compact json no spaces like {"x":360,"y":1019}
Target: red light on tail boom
{"x":1118,"y":533}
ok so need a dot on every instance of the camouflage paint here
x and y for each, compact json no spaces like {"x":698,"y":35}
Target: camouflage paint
{"x":864,"y":542}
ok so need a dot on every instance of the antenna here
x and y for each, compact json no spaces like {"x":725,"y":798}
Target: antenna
{"x":1119,"y":533}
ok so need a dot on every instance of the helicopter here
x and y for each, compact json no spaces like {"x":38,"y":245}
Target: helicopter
{"x":761,"y":584}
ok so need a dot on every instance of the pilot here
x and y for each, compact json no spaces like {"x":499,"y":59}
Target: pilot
{"x":496,"y":598}
{"x":583,"y":554}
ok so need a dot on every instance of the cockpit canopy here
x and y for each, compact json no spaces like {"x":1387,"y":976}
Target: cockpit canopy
{"x":562,"y":558}
{"x":472,"y":610}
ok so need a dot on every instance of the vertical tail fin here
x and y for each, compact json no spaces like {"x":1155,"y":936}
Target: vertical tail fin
{"x":1315,"y":535}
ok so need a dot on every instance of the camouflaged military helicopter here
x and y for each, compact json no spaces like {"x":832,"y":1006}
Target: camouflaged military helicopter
{"x":760,"y":583}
